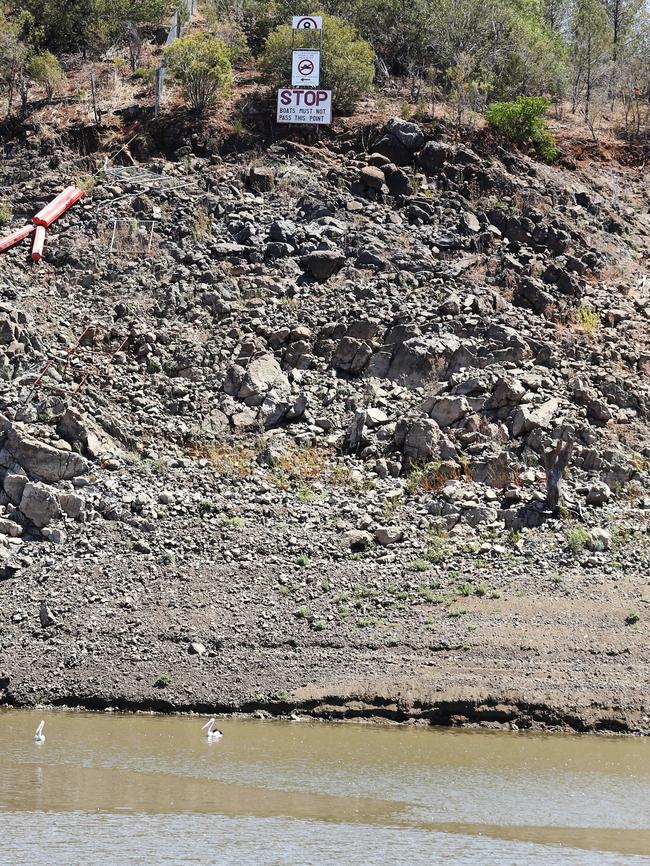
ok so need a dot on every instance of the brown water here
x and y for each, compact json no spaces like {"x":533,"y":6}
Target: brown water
{"x":134,"y":790}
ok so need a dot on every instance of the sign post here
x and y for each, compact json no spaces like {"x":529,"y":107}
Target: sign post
{"x":304,"y":101}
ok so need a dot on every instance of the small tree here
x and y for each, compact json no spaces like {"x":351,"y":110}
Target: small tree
{"x":347,"y":63}
{"x":44,"y":69}
{"x":201,"y":65}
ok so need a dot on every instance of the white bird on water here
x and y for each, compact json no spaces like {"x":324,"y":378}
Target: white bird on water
{"x":39,"y":736}
{"x":212,"y":735}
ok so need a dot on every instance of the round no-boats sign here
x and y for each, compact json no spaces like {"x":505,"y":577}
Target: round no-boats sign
{"x":304,"y":106}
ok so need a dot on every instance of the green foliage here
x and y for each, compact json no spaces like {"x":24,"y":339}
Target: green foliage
{"x":5,"y":214}
{"x":632,"y":618}
{"x":347,"y":65}
{"x":522,"y":122}
{"x":74,"y":25}
{"x":588,"y":319}
{"x":576,"y":539}
{"x":201,"y":65}
{"x":44,"y":69}
{"x":162,"y":681}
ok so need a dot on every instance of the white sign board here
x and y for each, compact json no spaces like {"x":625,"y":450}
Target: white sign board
{"x":304,"y":106}
{"x":307,"y":22}
{"x":305,"y":71}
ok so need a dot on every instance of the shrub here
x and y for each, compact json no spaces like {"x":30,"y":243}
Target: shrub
{"x":201,"y":65}
{"x":5,"y":214}
{"x":522,"y":122}
{"x":632,"y":618}
{"x":576,"y":539}
{"x":347,"y":62}
{"x":44,"y":69}
{"x":588,"y":319}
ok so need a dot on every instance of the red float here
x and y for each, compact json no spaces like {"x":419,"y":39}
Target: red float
{"x":37,"y":245}
{"x":15,"y":237}
{"x":58,"y":206}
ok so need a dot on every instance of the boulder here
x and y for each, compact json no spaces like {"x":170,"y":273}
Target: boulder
{"x":418,"y":440}
{"x":261,"y":178}
{"x":43,"y":462}
{"x":351,"y":355}
{"x":447,"y":410}
{"x":528,"y":417}
{"x":38,"y":505}
{"x":9,"y":528}
{"x":400,"y":141}
{"x":599,"y":493}
{"x":372,"y":177}
{"x":398,"y":182}
{"x":433,"y":156}
{"x":599,"y":540}
{"x":388,"y":535}
{"x":322,"y":264}
{"x":357,"y":539}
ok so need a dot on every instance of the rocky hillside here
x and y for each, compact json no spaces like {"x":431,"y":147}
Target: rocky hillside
{"x":279,"y":421}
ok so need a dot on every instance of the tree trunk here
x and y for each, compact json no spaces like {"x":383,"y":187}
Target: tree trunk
{"x":555,"y":462}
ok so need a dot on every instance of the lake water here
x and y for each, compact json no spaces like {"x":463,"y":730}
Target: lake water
{"x":114,"y":789}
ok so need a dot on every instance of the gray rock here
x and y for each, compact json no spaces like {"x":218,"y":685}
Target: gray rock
{"x":419,"y":439}
{"x":599,"y":411}
{"x":599,"y":493}
{"x":527,"y":417}
{"x":46,"y":616}
{"x":433,"y":156}
{"x":322,"y":264}
{"x":357,"y":539}
{"x":9,"y":528}
{"x":72,"y":504}
{"x":14,"y":484}
{"x":42,"y":462}
{"x":38,"y":505}
{"x":351,"y":355}
{"x":196,"y":648}
{"x":407,"y":133}
{"x":449,"y":410}
{"x":599,"y":540}
{"x":372,"y":177}
{"x":388,"y":535}
{"x":261,"y":178}
{"x":469,"y":222}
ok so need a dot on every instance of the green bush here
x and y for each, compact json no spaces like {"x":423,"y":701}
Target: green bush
{"x":347,"y":62}
{"x":201,"y":65}
{"x":5,"y":214}
{"x":44,"y":69}
{"x":522,"y":122}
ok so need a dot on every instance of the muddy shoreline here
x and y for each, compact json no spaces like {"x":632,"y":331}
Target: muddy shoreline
{"x":507,"y":712}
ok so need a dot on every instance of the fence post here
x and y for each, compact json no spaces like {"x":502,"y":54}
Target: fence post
{"x":93,"y":92}
{"x":160,"y":78}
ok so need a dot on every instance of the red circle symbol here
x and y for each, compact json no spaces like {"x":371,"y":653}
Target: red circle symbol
{"x":305,"y":67}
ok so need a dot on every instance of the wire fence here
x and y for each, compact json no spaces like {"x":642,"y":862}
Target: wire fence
{"x":180,"y":19}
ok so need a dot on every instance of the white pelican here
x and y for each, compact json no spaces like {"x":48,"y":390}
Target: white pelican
{"x":212,"y":735}
{"x":39,"y":736}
